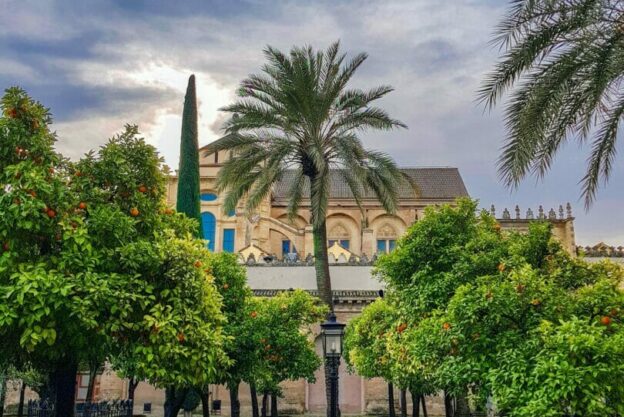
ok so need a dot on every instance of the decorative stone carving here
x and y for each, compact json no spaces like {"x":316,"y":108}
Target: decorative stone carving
{"x":517,"y":212}
{"x":529,"y":214}
{"x":338,"y":232}
{"x":552,"y":215}
{"x":387,"y":231}
{"x":506,"y":215}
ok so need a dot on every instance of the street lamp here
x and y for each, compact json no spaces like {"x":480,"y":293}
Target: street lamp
{"x":332,"y":333}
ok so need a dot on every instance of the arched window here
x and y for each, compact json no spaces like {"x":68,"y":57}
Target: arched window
{"x":209,"y":225}
{"x":208,"y":197}
{"x":386,"y":239}
{"x":340,"y":235}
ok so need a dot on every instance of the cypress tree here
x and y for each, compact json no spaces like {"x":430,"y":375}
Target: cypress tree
{"x":188,"y":175}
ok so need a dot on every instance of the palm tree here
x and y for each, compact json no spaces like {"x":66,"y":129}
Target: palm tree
{"x":299,"y":115}
{"x":564,"y":60}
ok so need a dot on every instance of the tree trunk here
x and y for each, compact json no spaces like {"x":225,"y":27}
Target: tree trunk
{"x":174,"y":401}
{"x":424,"y":405}
{"x":391,"y":411}
{"x":204,"y":394}
{"x":254,"y":400}
{"x":403,"y":403}
{"x":448,"y":405}
{"x":273,"y":405}
{"x":234,"y":402}
{"x":20,"y":407}
{"x":64,"y":381}
{"x":3,"y":384}
{"x":265,"y":405}
{"x":321,"y":263}
{"x":91,"y":387}
{"x":133,"y":383}
{"x":415,"y":404}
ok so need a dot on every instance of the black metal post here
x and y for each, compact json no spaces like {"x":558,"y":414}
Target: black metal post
{"x":333,"y":364}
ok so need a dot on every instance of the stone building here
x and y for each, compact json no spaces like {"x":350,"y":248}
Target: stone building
{"x":277,"y":253}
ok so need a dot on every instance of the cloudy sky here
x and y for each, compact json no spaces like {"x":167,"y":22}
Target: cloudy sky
{"x":101,"y":64}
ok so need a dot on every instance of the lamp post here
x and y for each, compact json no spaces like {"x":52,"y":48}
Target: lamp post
{"x":332,"y":333}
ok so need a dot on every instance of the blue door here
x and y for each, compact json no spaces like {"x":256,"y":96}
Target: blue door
{"x":228,"y":240}
{"x":209,"y":224}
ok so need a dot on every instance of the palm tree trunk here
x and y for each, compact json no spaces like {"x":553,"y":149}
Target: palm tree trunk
{"x":321,"y":263}
{"x":391,"y":411}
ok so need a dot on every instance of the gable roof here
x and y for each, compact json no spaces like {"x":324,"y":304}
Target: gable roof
{"x":432,"y":183}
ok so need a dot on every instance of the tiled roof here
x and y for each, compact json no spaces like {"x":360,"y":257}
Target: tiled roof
{"x":431,"y":183}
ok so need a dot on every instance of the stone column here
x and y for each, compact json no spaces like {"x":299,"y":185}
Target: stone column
{"x":368,"y":243}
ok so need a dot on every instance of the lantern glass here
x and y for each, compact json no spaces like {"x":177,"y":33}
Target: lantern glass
{"x":332,"y":334}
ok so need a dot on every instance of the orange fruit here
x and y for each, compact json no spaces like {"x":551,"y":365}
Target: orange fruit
{"x":401,"y":327}
{"x":226,"y":286}
{"x":446,"y":326}
{"x":605,"y":320}
{"x":134,"y":211}
{"x":501,"y":267}
{"x":142,"y":189}
{"x":82,"y":205}
{"x":181,"y":337}
{"x":12,"y":113}
{"x":253,"y":314}
{"x":51,"y":213}
{"x":197,"y":264}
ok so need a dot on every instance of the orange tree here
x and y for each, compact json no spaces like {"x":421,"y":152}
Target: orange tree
{"x":365,"y":344}
{"x":506,"y":316}
{"x":280,"y":329}
{"x":231,"y":282}
{"x":94,"y":265}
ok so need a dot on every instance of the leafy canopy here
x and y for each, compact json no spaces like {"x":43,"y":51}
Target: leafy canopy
{"x":300,"y":114}
{"x":505,"y":316}
{"x":564,"y":62}
{"x":93,"y":263}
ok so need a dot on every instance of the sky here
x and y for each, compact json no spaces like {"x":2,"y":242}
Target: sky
{"x":101,"y":64}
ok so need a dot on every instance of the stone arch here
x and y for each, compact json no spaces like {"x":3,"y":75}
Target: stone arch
{"x":297,"y":222}
{"x":276,"y":240}
{"x":387,"y":224}
{"x":343,"y":227}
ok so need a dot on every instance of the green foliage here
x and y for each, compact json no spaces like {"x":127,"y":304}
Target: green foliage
{"x":564,"y":61}
{"x":279,"y":329}
{"x":506,"y":316}
{"x":93,"y":264}
{"x":365,"y":342}
{"x":300,"y":115}
{"x":188,"y":176}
